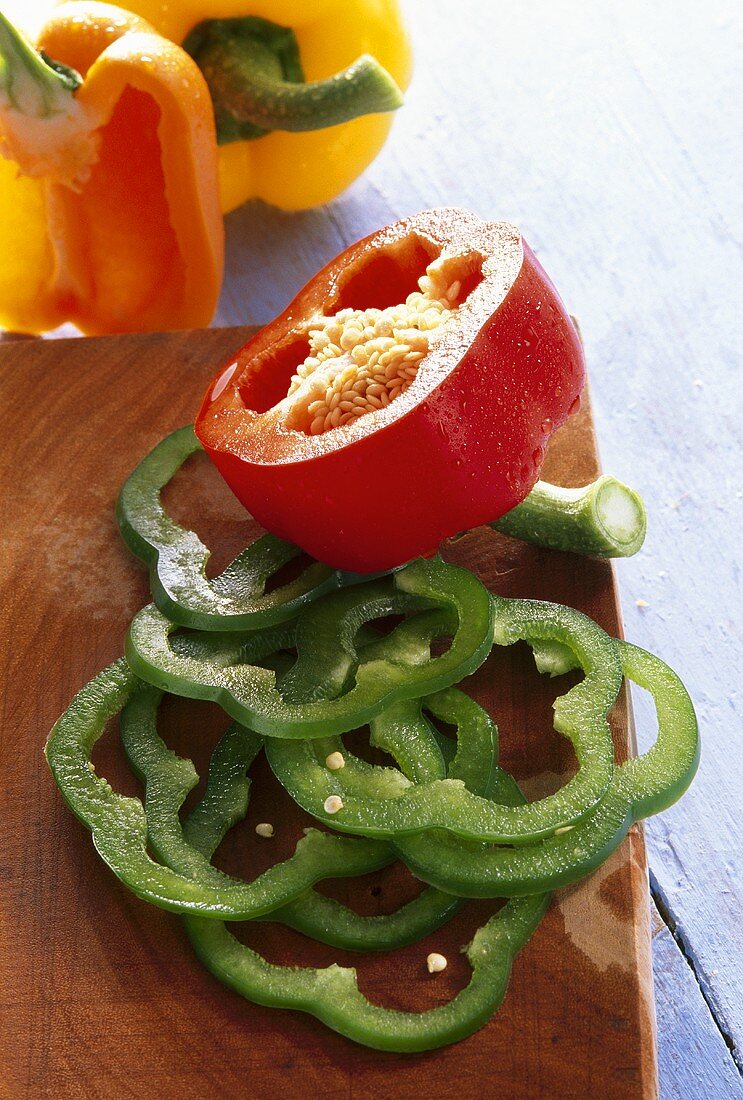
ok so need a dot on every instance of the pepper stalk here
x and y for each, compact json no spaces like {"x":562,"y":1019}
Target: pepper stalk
{"x":255,"y":77}
{"x":43,"y":128}
{"x":605,"y":519}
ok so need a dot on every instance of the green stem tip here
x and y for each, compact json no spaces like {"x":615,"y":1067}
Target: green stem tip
{"x":255,"y":78}
{"x":32,"y":83}
{"x":605,"y":519}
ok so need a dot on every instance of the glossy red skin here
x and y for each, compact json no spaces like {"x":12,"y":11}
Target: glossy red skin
{"x":465,"y":454}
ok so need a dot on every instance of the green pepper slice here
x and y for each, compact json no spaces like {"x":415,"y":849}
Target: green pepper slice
{"x":331,"y":688}
{"x":382,"y":802}
{"x":324,"y":919}
{"x":423,"y":755}
{"x":641,"y":786}
{"x":176,"y":557}
{"x":331,"y":994}
{"x":225,"y":802}
{"x":119,"y":827}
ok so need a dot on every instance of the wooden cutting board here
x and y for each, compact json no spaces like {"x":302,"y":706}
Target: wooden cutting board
{"x":101,"y":995}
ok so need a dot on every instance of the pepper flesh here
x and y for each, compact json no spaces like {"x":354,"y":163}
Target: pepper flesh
{"x":119,"y":826}
{"x":295,"y":171}
{"x":332,"y":994}
{"x":382,"y":802}
{"x":331,"y":687}
{"x":224,"y":803}
{"x":497,"y":378}
{"x":640,"y":787}
{"x":132,"y":240}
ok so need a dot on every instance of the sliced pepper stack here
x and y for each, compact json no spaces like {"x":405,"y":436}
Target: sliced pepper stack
{"x":314,"y":666}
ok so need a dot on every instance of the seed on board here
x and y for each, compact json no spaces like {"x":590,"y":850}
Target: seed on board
{"x":333,"y":804}
{"x":436,"y":963}
{"x":335,"y":761}
{"x":264,"y":828}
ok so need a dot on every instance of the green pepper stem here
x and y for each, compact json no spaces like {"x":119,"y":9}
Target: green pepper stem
{"x":605,"y":519}
{"x":254,"y":74}
{"x":29,"y":82}
{"x":364,"y":88}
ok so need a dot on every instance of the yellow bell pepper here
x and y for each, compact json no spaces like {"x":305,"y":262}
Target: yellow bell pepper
{"x":109,"y":208}
{"x":296,"y":170}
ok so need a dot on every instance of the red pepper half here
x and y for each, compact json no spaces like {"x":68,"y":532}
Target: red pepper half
{"x":406,"y":394}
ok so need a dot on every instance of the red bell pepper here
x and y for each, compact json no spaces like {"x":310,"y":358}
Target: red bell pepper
{"x":369,"y":437}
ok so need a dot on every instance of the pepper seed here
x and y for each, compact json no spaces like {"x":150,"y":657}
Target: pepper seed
{"x":436,"y":963}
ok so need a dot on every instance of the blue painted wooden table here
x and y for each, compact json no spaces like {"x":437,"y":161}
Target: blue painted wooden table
{"x":609,"y":134}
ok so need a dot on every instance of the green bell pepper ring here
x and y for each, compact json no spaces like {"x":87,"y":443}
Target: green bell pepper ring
{"x":397,"y":667}
{"x":224,"y":803}
{"x":641,"y":786}
{"x":119,"y":828}
{"x":382,"y":802}
{"x":313,"y":914}
{"x":237,"y":598}
{"x":423,"y":755}
{"x":324,"y":919}
{"x":332,"y":995}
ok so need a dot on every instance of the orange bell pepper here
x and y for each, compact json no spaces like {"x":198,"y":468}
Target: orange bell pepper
{"x":109,"y":198}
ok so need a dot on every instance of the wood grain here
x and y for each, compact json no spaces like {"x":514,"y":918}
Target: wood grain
{"x":100,"y":993}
